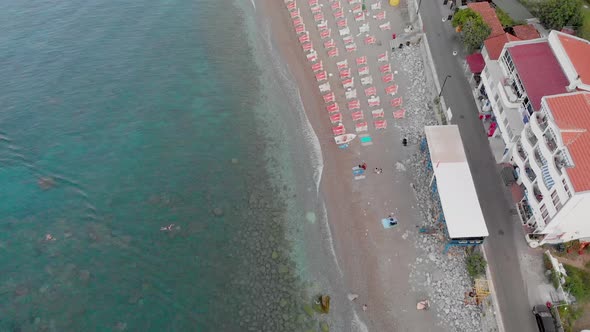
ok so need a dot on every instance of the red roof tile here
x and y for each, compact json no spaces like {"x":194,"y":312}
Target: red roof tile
{"x":495,"y":45}
{"x":577,"y":50}
{"x":539,"y":71}
{"x":489,"y":16}
{"x":572,"y":115}
{"x":526,"y":32}
{"x":476,"y":62}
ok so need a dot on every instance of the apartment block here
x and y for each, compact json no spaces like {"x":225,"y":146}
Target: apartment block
{"x":552,"y":160}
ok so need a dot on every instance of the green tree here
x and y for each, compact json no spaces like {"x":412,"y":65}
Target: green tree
{"x":474,"y":33}
{"x":555,"y":14}
{"x":463,"y":16}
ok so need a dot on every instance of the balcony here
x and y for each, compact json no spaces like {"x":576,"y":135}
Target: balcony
{"x":531,"y":136}
{"x":539,"y":159}
{"x":525,"y":211}
{"x":550,"y":140}
{"x":523,"y":156}
{"x":529,"y":172}
{"x":542,"y":121}
{"x":537,"y":193}
{"x":561,"y":161}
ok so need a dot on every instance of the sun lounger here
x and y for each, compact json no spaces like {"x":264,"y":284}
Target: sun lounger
{"x":325,"y":87}
{"x":329,"y":97}
{"x":387,"y":78}
{"x":321,"y":76}
{"x":348,"y":40}
{"x":358,"y":115}
{"x":297,"y":21}
{"x":359,"y":17}
{"x":329,"y":43}
{"x":292,"y":5}
{"x":296,"y":13}
{"x":333,"y":52}
{"x":361,"y":60}
{"x":374,"y":101}
{"x":370,"y":40}
{"x":344,"y":32}
{"x":391,"y":90}
{"x":318,"y":66}
{"x":339,"y":14}
{"x":304,"y":38}
{"x":363,"y":71}
{"x":385,"y":68}
{"x":332,"y":108}
{"x":370,"y":91}
{"x":312,"y":57}
{"x":380,"y":15}
{"x":318,"y":17}
{"x":385,"y":26}
{"x":378,"y":113}
{"x":354,"y":104}
{"x":316,"y":10}
{"x":325,"y":33}
{"x":357,"y":8}
{"x":345,"y":73}
{"x":399,"y":114}
{"x":351,"y":94}
{"x":338,"y":130}
{"x":365,"y":28}
{"x":376,"y":6}
{"x":348,"y":83}
{"x":300,"y":29}
{"x":396,"y":102}
{"x":336,"y":5}
{"x":342,"y":23}
{"x":351,"y":48}
{"x":368,"y":80}
{"x":361,"y":126}
{"x":342,"y":64}
{"x":382,"y":57}
{"x":380,"y":124}
{"x":336,"y":118}
{"x":307,"y":47}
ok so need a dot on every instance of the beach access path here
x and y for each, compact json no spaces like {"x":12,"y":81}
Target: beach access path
{"x":501,"y":246}
{"x":378,"y":264}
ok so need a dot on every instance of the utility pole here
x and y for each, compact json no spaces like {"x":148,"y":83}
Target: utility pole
{"x":443,"y":86}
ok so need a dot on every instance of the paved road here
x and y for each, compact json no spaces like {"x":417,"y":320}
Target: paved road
{"x":500,"y":245}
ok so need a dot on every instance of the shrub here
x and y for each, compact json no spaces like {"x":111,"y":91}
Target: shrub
{"x":555,"y":279}
{"x":476,"y":264}
{"x":577,"y":283}
{"x":462,"y":16}
{"x":555,"y":14}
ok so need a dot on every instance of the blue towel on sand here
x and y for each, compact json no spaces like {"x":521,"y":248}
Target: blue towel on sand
{"x":386,"y":224}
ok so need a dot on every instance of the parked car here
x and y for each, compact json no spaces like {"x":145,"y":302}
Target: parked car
{"x":544,"y":318}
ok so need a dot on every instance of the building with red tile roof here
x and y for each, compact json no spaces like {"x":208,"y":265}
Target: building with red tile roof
{"x":526,"y":32}
{"x":495,"y":45}
{"x":489,"y":17}
{"x":571,"y":113}
{"x":539,"y":71}
{"x":573,"y":53}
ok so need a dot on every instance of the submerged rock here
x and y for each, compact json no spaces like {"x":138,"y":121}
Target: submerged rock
{"x":218,"y":212}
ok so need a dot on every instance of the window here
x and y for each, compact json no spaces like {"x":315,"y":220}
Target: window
{"x":567,"y":189}
{"x":496,"y":97}
{"x":500,"y":108}
{"x":555,"y":198}
{"x":509,"y":132}
{"x":507,"y":59}
{"x":544,"y":213}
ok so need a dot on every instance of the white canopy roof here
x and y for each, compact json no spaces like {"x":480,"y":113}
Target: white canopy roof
{"x":456,"y":190}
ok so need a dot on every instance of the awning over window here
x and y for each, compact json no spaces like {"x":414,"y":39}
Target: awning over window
{"x":476,"y":63}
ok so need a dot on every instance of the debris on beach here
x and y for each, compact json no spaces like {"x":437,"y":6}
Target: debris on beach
{"x":423,"y":305}
{"x":325,"y":303}
{"x":352,"y":296}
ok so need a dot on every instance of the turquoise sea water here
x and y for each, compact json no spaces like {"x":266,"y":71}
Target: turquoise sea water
{"x":118,"y":118}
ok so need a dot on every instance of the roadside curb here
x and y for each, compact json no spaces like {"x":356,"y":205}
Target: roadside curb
{"x":497,"y":312}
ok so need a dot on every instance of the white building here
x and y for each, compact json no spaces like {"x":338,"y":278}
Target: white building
{"x":518,"y":73}
{"x":552,"y":156}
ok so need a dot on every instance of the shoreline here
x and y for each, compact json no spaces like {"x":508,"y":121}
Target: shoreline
{"x":357,"y":254}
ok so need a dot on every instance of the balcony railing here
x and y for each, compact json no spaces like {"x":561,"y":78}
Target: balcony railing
{"x":537,"y":193}
{"x":542,"y":121}
{"x":521,"y":152}
{"x":529,"y":172}
{"x":525,"y":210}
{"x":540,"y":161}
{"x":551,"y":143}
{"x":531,"y":136}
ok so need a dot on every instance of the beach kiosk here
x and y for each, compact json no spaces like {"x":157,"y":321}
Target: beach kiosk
{"x":452,"y":187}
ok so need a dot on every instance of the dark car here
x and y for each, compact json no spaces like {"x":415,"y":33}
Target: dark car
{"x":545,"y":320}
